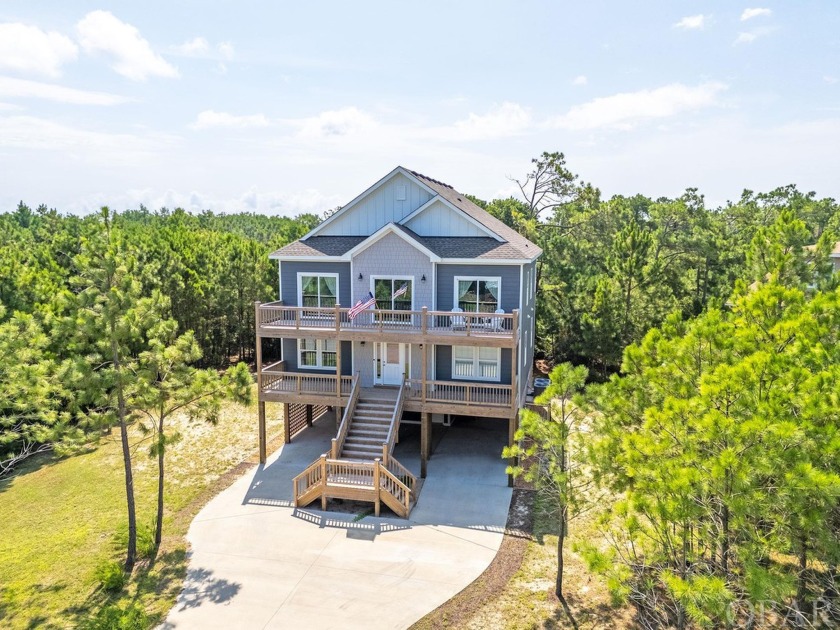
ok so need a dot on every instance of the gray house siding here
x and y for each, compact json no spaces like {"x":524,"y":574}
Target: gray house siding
{"x":443,"y":367}
{"x":527,"y":323}
{"x":509,"y":274}
{"x":392,"y":256}
{"x":290,"y":355}
{"x":289,"y":279}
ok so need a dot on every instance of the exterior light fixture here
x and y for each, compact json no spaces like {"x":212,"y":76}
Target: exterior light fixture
{"x":360,"y":276}
{"x":423,"y":278}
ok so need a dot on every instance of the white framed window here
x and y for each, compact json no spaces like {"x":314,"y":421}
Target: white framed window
{"x":316,"y":354}
{"x":317,"y":290}
{"x":384,"y":288}
{"x":477,"y":294}
{"x":478,"y":364}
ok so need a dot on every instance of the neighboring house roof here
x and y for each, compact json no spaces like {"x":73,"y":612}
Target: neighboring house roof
{"x":834,"y":253}
{"x":508,"y":246}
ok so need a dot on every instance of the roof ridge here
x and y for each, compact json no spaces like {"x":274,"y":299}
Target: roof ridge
{"x":431,"y":179}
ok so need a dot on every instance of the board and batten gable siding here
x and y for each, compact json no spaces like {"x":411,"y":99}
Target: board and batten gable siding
{"x":379,"y":207}
{"x":443,"y":367}
{"x":290,"y":356}
{"x":446,"y":274}
{"x":391,"y":256}
{"x":289,"y":279}
{"x":441,"y":220}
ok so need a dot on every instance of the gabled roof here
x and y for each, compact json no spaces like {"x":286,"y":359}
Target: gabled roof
{"x":522,"y":244}
{"x":502,"y":243}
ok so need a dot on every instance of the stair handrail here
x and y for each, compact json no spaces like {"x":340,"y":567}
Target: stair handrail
{"x":398,"y":470}
{"x":337,"y":442}
{"x":394,"y":429}
{"x":385,"y":476}
{"x":312,"y":476}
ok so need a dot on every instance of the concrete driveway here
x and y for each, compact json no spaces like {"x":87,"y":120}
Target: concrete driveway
{"x":257,"y":562}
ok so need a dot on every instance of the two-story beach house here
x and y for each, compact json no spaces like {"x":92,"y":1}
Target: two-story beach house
{"x":410,"y":300}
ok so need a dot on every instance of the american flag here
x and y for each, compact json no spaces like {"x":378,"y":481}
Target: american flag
{"x":400,"y":291}
{"x":361,"y":306}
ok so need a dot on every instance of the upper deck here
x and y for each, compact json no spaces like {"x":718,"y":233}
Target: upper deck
{"x":423,"y":326}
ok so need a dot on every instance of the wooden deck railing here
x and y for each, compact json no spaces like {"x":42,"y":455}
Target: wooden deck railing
{"x":454,"y":393}
{"x":300,"y":383}
{"x":276,"y":316}
{"x":394,"y":430}
{"x":337,"y":442}
{"x":352,"y":479}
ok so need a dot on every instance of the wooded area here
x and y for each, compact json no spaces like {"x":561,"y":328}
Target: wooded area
{"x":713,"y":333}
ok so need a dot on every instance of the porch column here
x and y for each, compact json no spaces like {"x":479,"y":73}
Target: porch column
{"x":337,"y":362}
{"x":261,"y":404}
{"x":287,"y":428}
{"x":261,"y":411}
{"x":512,"y":425}
{"x":309,"y":415}
{"x":425,"y":441}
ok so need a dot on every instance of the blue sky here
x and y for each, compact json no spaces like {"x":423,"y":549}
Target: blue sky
{"x":283,"y":108}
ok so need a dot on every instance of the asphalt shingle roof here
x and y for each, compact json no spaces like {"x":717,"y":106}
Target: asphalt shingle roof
{"x":514,"y":247}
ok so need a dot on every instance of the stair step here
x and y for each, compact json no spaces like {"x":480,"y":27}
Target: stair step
{"x":369,"y":435}
{"x":363,"y":441}
{"x":372,"y":419}
{"x":357,"y":453}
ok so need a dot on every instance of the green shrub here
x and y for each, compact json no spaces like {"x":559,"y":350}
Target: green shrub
{"x":113,"y":617}
{"x":111,"y":576}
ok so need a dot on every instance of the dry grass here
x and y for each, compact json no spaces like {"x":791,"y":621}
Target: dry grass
{"x":59,"y":519}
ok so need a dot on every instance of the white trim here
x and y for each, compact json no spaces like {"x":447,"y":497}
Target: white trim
{"x":475,"y":376}
{"x":432,"y":256}
{"x":279,"y":280}
{"x":375,"y":277}
{"x":319,"y":352}
{"x":361,"y":196}
{"x":319,"y":274}
{"x":390,"y":228}
{"x":456,"y":279}
{"x":460,"y":212}
{"x":405,"y":350}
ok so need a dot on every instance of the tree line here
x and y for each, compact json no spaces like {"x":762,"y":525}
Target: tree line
{"x":707,"y":446}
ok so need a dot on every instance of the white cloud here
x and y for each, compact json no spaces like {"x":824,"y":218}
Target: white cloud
{"x":29,"y":49}
{"x":691,"y":22}
{"x":749,"y":14}
{"x":501,"y":121}
{"x":195,"y":47}
{"x":347,"y":121}
{"x":623,"y":111}
{"x":210,"y":118}
{"x":748,"y":37}
{"x":830,"y":79}
{"x":101,"y":31}
{"x":28,"y":132}
{"x":226,"y":50}
{"x":580,"y":80}
{"x":21,"y":88}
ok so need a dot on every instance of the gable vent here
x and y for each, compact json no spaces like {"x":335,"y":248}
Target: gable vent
{"x":400,"y":192}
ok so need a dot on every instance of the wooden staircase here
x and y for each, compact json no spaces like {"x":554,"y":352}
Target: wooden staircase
{"x":360,"y":465}
{"x":369,"y":427}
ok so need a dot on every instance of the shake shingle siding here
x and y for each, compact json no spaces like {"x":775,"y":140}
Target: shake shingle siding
{"x":391,"y":256}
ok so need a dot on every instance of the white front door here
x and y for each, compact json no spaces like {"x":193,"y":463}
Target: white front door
{"x":392,"y":361}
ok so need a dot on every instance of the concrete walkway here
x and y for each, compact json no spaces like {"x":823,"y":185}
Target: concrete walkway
{"x":257,"y":562}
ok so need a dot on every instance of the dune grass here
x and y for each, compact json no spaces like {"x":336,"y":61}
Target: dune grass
{"x":61,"y":518}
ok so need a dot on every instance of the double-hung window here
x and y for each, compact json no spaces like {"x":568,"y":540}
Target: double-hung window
{"x":316,"y":353}
{"x":474,"y":363}
{"x":318,"y":290}
{"x":477,"y":295}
